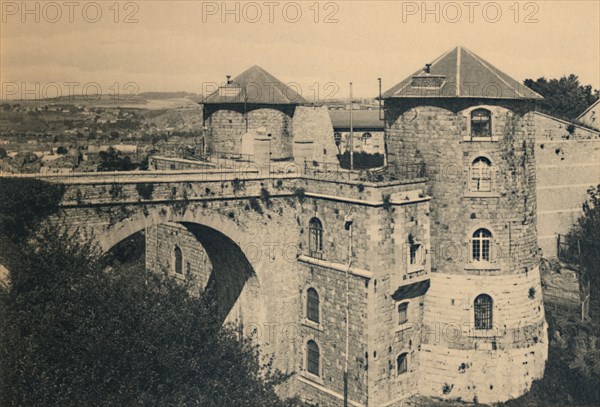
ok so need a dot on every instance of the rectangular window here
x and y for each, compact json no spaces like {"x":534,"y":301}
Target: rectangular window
{"x":402,"y":313}
{"x":402,"y":364}
{"x":414,"y":257}
{"x":415,"y":253}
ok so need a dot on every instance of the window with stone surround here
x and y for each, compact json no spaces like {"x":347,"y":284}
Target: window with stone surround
{"x":483,"y":305}
{"x":313,"y":358}
{"x":481,"y":123}
{"x":481,"y":244}
{"x":178,"y":261}
{"x":312,"y":305}
{"x":402,"y":313}
{"x":402,"y":363}
{"x":414,"y":255}
{"x":315,"y":232}
{"x":480,"y":175}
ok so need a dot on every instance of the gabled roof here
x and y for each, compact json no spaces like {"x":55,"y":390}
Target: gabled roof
{"x":255,"y":86}
{"x":361,"y":119}
{"x":593,"y":105}
{"x":475,"y":78}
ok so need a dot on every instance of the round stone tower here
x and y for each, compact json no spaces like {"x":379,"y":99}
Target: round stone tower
{"x":253,"y":102}
{"x":484,"y":331}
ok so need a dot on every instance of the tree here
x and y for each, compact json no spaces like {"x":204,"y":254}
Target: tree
{"x":564,"y":98}
{"x":584,"y":236}
{"x":74,"y":333}
{"x":3,"y":153}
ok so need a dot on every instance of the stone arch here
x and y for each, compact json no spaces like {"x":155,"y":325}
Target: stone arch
{"x":235,"y":280}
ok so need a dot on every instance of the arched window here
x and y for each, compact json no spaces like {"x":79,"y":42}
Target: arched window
{"x":313,"y":358}
{"x":481,"y":123}
{"x":178,"y":260}
{"x":481,"y":175}
{"x":366,"y":137}
{"x":315,"y":243}
{"x":312,"y":305}
{"x":481,"y":245}
{"x":483,"y":311}
{"x":402,"y":313}
{"x":402,"y":363}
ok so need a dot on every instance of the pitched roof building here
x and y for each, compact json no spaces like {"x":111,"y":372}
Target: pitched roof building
{"x":256,"y":86}
{"x":591,"y":116}
{"x":459,"y":73}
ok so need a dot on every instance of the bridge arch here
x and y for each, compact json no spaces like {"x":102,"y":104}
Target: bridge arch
{"x":235,"y":278}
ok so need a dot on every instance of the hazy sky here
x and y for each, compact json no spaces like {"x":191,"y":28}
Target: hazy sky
{"x":179,"y":45}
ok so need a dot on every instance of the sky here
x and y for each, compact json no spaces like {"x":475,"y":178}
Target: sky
{"x":79,"y":47}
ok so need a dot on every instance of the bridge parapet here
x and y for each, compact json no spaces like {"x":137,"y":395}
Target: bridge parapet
{"x":132,"y":187}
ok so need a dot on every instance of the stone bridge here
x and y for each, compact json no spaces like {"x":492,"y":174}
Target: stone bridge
{"x":254,"y":230}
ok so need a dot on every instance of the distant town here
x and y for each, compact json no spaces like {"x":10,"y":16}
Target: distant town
{"x":75,"y":134}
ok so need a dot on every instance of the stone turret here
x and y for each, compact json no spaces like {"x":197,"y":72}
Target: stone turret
{"x":472,"y":126}
{"x":253,"y":100}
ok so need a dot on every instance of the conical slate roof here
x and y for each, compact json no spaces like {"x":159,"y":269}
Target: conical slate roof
{"x":255,"y":85}
{"x":475,"y":78}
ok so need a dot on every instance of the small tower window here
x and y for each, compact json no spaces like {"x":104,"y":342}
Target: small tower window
{"x":315,"y":246}
{"x":483,"y":311}
{"x":481,"y":245}
{"x":313,"y":358}
{"x":481,"y":175}
{"x":481,"y":123}
{"x":366,"y":137}
{"x":402,"y":313}
{"x":312,"y":305}
{"x":337,"y":137}
{"x":178,"y":260}
{"x":402,"y":363}
{"x":414,"y":255}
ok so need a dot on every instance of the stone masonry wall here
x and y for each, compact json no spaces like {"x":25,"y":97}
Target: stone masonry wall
{"x":435,"y":137}
{"x":568,"y":164}
{"x":496,"y":365}
{"x":388,"y":339}
{"x":313,"y":124}
{"x":272,"y":231}
{"x":438,"y":136}
{"x":227,"y":125}
{"x":160,"y":248}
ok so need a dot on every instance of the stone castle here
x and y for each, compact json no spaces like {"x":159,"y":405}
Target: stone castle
{"x":446,"y":299}
{"x":420,"y":278}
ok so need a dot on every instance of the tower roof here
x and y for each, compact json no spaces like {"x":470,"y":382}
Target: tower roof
{"x":459,"y":73}
{"x":257,"y":86}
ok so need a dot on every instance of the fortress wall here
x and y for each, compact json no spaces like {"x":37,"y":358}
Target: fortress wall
{"x":227,"y":125}
{"x":160,"y":247}
{"x":494,"y":365}
{"x":435,"y":135}
{"x":313,"y":124}
{"x":568,"y":164}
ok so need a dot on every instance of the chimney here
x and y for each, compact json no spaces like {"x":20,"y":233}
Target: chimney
{"x":229,"y":79}
{"x":427,"y":68}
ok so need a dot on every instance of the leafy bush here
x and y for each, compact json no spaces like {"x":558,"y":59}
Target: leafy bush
{"x":24,"y":203}
{"x":73,"y":334}
{"x":145,"y":190}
